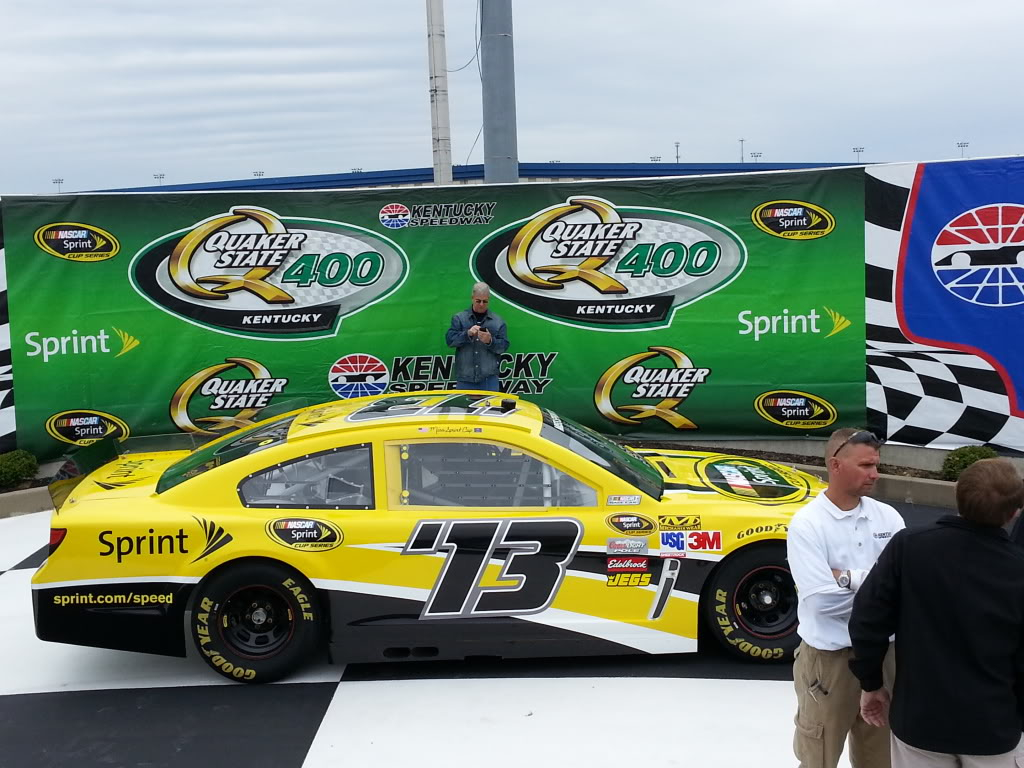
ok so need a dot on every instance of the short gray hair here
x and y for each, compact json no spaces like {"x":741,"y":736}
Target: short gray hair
{"x":481,"y":289}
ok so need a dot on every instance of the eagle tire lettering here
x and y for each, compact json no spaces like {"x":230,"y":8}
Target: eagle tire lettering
{"x":534,"y":552}
{"x":749,"y":604}
{"x":280,"y":609}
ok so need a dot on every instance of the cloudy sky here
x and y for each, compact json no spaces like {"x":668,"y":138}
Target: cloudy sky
{"x":106,"y":93}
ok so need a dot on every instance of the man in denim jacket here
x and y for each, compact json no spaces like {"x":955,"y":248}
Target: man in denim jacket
{"x":479,"y":339}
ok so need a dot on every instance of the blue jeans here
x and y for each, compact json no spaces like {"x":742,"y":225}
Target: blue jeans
{"x":490,"y":384}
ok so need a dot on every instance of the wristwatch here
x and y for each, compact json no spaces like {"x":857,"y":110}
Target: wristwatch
{"x":844,"y":579}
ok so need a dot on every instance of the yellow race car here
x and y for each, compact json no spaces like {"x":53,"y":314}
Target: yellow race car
{"x":434,"y":526}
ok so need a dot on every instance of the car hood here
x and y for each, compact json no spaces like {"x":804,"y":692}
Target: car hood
{"x":736,"y":477}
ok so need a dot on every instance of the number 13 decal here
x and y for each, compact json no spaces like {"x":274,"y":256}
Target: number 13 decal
{"x":535,"y":553}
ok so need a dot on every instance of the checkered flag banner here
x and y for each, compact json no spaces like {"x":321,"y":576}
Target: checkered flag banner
{"x":941,"y":303}
{"x":6,"y":375}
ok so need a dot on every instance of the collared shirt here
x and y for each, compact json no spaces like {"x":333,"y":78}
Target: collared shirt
{"x":822,"y":537}
{"x":475,"y":360}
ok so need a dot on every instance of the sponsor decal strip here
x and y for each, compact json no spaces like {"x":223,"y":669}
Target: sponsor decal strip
{"x":623,"y":633}
{"x":122,"y":580}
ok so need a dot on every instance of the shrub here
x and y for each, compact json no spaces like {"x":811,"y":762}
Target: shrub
{"x":961,"y":458}
{"x":16,"y":466}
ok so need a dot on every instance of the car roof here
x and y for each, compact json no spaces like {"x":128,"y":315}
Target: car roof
{"x":438,"y":413}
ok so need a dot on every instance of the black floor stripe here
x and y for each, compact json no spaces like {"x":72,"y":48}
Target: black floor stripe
{"x":254,"y":726}
{"x":34,"y":560}
{"x":711,"y":663}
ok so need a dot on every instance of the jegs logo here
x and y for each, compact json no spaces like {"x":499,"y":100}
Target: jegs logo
{"x":242,"y":396}
{"x":589,"y":263}
{"x":669,"y":386}
{"x":254,"y":274}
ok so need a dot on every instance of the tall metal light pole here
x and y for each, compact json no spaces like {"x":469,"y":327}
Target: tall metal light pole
{"x":858,"y":151}
{"x":159,"y":178}
{"x":497,"y":68}
{"x":440,"y":122}
{"x":655,"y":158}
{"x":755,"y":156}
{"x":963,"y":145}
{"x":258,"y":174}
{"x":58,"y":182}
{"x":742,"y":156}
{"x":677,"y":153}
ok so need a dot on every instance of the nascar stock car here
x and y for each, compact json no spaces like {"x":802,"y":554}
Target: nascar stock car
{"x":440,"y":526}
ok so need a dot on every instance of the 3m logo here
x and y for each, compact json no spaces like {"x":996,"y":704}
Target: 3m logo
{"x":704,"y":541}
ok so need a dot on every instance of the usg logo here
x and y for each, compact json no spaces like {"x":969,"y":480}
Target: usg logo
{"x":85,"y":427}
{"x":237,"y":388}
{"x":358,"y":375}
{"x":590,"y":263}
{"x":979,"y":255}
{"x":73,"y":241}
{"x":669,"y":386}
{"x":793,"y":219}
{"x":794,"y":409}
{"x":254,"y":274}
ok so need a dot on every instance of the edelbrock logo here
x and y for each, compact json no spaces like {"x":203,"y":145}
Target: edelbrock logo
{"x":589,"y":263}
{"x":254,"y":274}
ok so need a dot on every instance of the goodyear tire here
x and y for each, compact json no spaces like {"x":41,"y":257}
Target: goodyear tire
{"x":256,"y":622}
{"x":749,"y":605}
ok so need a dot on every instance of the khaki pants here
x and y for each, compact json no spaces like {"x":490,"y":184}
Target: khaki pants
{"x":906,"y":756}
{"x":828,"y":710}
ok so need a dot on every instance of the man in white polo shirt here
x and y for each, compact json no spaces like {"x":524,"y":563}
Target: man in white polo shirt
{"x":832,"y":543}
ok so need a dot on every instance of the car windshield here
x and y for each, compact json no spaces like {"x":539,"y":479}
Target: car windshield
{"x":255,"y":438}
{"x":604,"y":452}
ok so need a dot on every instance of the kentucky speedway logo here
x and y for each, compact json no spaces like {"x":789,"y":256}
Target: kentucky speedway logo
{"x":358,"y":375}
{"x":252,"y":273}
{"x":230,"y":393}
{"x":979,"y":255}
{"x":590,"y":263}
{"x":669,"y":386}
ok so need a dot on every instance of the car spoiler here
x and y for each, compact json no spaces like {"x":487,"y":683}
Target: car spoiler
{"x":81,"y":461}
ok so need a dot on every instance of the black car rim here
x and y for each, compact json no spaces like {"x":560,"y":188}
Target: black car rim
{"x":256,"y":622}
{"x":765,"y":602}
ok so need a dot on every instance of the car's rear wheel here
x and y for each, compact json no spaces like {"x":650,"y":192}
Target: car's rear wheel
{"x":749,"y":605}
{"x":256,"y":622}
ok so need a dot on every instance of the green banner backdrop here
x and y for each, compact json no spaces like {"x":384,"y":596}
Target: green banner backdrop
{"x":723,"y":305}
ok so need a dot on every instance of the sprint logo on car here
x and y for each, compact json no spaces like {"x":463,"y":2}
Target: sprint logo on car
{"x":252,"y":273}
{"x":230,"y":394}
{"x":669,"y":386}
{"x":590,"y":263}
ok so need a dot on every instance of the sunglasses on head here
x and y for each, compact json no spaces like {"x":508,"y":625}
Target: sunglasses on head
{"x":863,"y":437}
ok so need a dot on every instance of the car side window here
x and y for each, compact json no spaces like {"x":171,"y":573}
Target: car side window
{"x":341,"y":478}
{"x":482,"y":474}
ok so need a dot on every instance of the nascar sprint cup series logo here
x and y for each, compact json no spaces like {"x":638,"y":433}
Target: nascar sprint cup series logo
{"x":225,"y":396}
{"x":252,"y":273}
{"x":590,"y":263}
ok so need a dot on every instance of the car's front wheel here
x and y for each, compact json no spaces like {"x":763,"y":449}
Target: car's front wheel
{"x":256,"y":622}
{"x":750,"y":604}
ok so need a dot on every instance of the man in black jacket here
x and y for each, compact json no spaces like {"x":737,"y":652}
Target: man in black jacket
{"x":953,"y":593}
